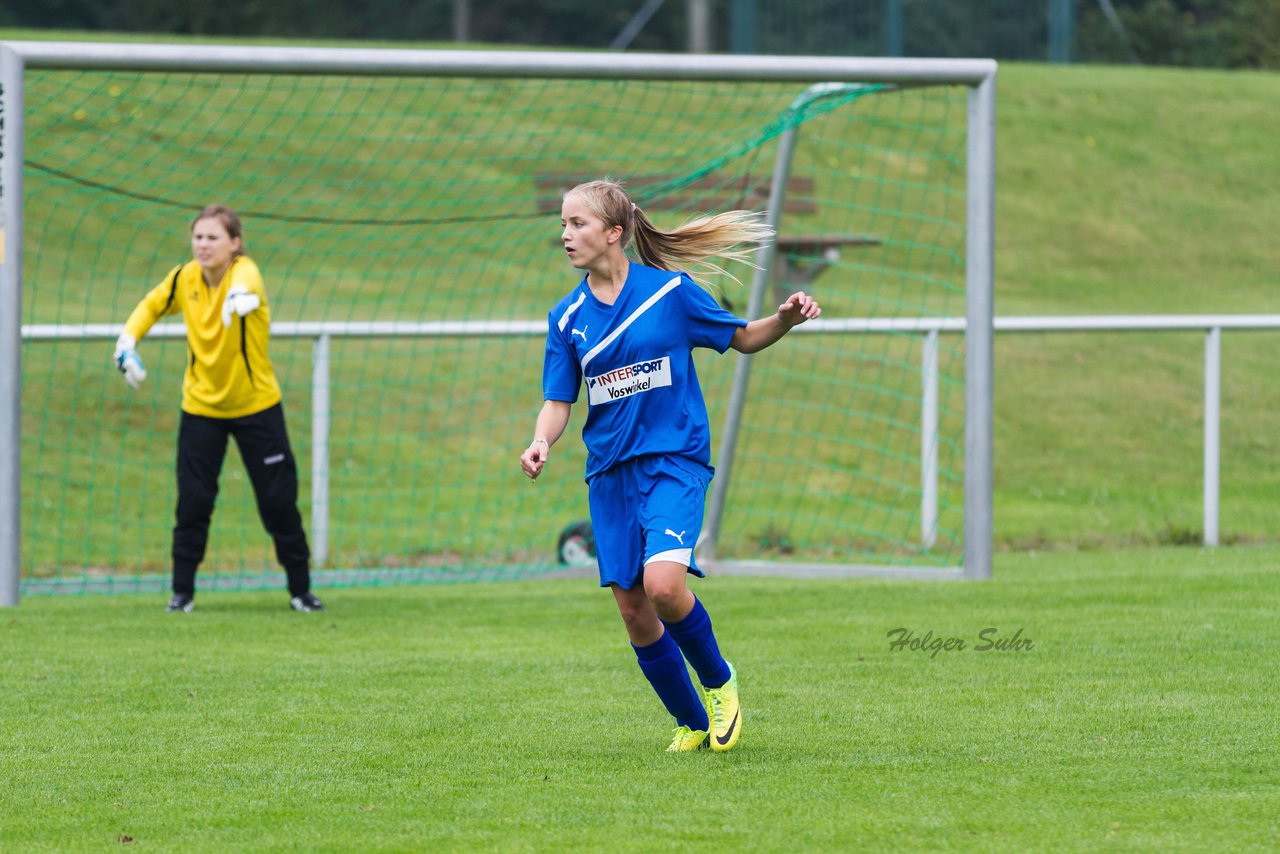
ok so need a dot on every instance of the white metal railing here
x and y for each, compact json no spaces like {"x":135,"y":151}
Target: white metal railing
{"x":928,"y":328}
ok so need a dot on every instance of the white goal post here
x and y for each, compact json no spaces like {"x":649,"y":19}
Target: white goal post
{"x":978,"y":75}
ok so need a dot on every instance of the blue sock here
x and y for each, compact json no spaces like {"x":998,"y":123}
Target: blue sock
{"x":698,"y":643}
{"x":663,"y":665}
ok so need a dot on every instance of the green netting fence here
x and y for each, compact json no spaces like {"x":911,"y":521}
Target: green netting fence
{"x":407,"y":200}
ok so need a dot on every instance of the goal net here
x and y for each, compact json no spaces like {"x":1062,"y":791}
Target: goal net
{"x":404,"y":210}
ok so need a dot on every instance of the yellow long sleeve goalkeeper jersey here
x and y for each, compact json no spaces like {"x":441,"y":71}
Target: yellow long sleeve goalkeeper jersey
{"x":228,"y":370}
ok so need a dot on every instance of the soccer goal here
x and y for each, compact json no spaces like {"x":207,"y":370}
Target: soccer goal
{"x":403,"y":207}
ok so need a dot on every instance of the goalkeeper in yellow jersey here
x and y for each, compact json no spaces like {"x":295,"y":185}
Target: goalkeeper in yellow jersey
{"x":228,"y":390}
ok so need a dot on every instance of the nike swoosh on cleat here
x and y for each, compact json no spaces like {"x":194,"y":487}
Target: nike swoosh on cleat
{"x":728,"y":734}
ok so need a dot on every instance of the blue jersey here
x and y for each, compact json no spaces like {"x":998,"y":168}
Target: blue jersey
{"x":636,"y":357}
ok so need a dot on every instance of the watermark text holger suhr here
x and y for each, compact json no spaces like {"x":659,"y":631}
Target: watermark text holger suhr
{"x":989,"y":640}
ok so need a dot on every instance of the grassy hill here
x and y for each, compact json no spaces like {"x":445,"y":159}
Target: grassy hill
{"x":1140,"y":191}
{"x":1146,"y":190}
{"x":1120,"y":190}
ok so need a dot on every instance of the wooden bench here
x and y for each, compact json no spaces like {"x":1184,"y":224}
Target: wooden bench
{"x":798,"y":260}
{"x":711,"y":193}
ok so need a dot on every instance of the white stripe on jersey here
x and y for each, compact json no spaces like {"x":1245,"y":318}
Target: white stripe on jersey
{"x":648,"y":304}
{"x":568,"y":312}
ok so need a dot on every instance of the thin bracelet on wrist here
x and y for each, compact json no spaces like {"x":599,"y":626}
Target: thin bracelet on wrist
{"x":540,"y":439}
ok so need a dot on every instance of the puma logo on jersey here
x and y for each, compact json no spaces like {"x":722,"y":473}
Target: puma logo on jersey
{"x":582,"y":334}
{"x":679,"y":536}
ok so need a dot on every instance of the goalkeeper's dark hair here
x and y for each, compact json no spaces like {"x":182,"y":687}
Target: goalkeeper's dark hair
{"x":733,"y":234}
{"x":229,"y":220}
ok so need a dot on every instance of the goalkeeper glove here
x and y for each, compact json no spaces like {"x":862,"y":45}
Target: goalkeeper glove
{"x":239,"y":302}
{"x":128,"y":361}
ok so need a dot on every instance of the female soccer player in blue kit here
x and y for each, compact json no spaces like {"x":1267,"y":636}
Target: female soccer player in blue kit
{"x":628,"y":330}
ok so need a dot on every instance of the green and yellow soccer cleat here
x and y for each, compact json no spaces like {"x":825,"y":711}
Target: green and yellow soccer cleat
{"x":726,"y":716}
{"x":687,"y":740}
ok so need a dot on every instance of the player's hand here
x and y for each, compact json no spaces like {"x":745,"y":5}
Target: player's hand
{"x":534,"y":458}
{"x":239,"y":302}
{"x":127,"y":360}
{"x":798,"y":308}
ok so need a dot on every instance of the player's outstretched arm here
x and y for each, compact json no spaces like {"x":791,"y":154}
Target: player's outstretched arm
{"x":156,"y":304}
{"x":758,"y":334}
{"x":550,"y":425}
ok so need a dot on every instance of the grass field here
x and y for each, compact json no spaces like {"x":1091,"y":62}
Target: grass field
{"x":1134,"y":714}
{"x":511,"y":717}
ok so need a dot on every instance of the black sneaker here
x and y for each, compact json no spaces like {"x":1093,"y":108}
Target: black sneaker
{"x":182,"y":602}
{"x":306,"y":602}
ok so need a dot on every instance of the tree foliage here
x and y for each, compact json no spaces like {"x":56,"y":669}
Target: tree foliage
{"x":1205,"y":33}
{"x":1209,"y":33}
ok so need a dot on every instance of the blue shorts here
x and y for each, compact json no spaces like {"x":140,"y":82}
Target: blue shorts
{"x":646,"y":509}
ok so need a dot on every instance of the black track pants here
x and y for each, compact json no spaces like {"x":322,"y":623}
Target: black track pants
{"x":264,"y":447}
